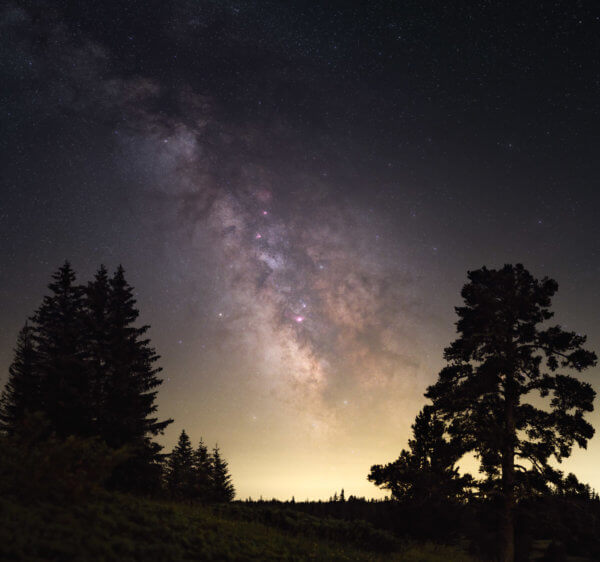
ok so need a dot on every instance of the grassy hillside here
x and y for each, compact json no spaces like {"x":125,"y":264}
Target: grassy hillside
{"x":117,"y":527}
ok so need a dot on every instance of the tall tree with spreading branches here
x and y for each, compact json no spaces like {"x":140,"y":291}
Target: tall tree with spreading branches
{"x":503,"y":356}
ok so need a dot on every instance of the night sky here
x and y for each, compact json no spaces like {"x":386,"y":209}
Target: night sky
{"x":297,"y":190}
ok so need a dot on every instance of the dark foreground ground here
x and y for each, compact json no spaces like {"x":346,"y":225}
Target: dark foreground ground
{"x":120,"y":527}
{"x":124,"y":528}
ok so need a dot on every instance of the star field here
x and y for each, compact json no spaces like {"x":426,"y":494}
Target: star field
{"x":296,"y":190}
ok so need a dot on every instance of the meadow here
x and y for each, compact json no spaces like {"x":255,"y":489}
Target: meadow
{"x":126,"y":528}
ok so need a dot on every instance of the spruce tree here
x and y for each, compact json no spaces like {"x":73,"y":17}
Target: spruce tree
{"x":57,"y":328}
{"x":130,"y":385}
{"x":181,"y":476}
{"x":503,"y":355}
{"x":98,"y":352}
{"x":21,"y":395}
{"x":84,"y":365}
{"x":203,"y":472}
{"x":223,"y":488}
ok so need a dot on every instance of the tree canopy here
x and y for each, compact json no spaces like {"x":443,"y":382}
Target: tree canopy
{"x":508,"y":392}
{"x":427,"y":471}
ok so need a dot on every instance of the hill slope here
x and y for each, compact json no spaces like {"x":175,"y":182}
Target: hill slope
{"x":117,"y":527}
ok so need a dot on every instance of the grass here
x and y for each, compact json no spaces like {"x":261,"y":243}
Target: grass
{"x":124,"y":528}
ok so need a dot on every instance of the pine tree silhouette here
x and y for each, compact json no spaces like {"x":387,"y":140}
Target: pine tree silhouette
{"x":98,"y":352}
{"x":223,"y":488}
{"x":181,"y":476}
{"x":21,"y":395}
{"x":89,"y":371}
{"x":130,"y":384}
{"x":203,"y":472}
{"x":502,"y":355}
{"x":57,"y":328}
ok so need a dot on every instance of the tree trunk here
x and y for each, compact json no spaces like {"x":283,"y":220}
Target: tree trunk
{"x":508,"y":524}
{"x":508,"y":478}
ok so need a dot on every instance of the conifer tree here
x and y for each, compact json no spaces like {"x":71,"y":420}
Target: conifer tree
{"x":181,"y":476}
{"x":130,"y":391}
{"x":98,"y":351}
{"x":502,"y":355}
{"x":89,"y":371}
{"x":203,"y":471}
{"x":57,"y":328}
{"x":223,"y":488}
{"x":21,"y":395}
{"x":427,"y":471}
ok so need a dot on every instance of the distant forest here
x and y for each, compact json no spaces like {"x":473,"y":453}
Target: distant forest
{"x":78,"y":415}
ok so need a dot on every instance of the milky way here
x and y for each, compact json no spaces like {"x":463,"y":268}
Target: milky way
{"x":310,"y":296}
{"x":297,"y":192}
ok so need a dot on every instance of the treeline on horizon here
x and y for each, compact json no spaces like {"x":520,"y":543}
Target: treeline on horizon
{"x":78,"y":414}
{"x":80,"y":402}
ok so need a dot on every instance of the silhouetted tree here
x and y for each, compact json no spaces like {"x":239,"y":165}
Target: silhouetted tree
{"x":130,"y":384}
{"x":202,"y":471}
{"x":22,"y":391}
{"x":181,"y":476}
{"x":570,"y":486}
{"x":84,"y":365}
{"x":223,"y":488}
{"x":501,"y":356}
{"x":58,"y":335}
{"x":427,"y":471}
{"x":98,"y":352}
